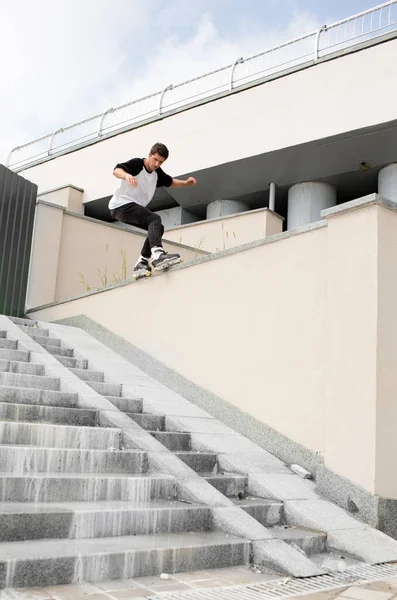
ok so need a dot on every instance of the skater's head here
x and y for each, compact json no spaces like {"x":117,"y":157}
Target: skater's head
{"x":160,"y":149}
{"x":157,"y":155}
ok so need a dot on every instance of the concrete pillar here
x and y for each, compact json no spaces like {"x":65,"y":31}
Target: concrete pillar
{"x":221,"y":208}
{"x":307,"y":200}
{"x":387,"y":182}
{"x":361,"y":344}
{"x":44,"y":258}
{"x":174,"y":217}
{"x":68,"y":196}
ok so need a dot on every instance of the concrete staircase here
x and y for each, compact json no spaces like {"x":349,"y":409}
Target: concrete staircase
{"x":92,"y":487}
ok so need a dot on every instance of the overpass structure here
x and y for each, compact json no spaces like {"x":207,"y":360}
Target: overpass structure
{"x":316,"y":117}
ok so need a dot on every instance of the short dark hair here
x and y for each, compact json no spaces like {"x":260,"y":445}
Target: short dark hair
{"x":159,"y":148}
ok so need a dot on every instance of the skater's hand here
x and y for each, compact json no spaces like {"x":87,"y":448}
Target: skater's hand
{"x":131,"y":180}
{"x":181,"y":183}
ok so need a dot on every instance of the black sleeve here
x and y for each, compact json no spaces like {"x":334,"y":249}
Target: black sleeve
{"x":133,"y":166}
{"x":162,"y":178}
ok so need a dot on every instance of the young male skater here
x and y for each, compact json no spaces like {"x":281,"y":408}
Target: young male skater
{"x":140,"y":177}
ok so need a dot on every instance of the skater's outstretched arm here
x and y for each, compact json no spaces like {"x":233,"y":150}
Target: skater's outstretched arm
{"x":180,"y":183}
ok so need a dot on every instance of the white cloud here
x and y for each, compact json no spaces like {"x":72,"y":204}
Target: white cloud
{"x":65,"y":61}
{"x":174,"y":60}
{"x":56,"y":58}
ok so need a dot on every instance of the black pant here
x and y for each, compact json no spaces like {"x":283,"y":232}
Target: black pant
{"x":139,"y":216}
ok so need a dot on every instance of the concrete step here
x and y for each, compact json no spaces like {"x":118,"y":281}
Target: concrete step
{"x":33,"y":396}
{"x":311,"y":542}
{"x":25,"y":368}
{"x":19,"y":355}
{"x":73,"y":363}
{"x":88,"y":374}
{"x":45,"y":340}
{"x":174,"y":441}
{"x":33,"y":413}
{"x":267,"y":512}
{"x":22,"y":460}
{"x":57,"y":351}
{"x":19,"y":321}
{"x":83,"y":520}
{"x":59,"y":436}
{"x":55,"y":562}
{"x":149,"y":422}
{"x":126,"y":404}
{"x":106,"y":389}
{"x":29,"y":381}
{"x":32,"y":330}
{"x":76,"y":487}
{"x":200,"y":461}
{"x":230,"y":484}
{"x":8,"y":344}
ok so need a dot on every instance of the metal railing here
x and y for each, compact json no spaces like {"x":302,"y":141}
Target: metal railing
{"x":343,"y":35}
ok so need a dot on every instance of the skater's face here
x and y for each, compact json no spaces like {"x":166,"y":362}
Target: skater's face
{"x":154,"y":161}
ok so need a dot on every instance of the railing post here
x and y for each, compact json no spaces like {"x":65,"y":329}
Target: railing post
{"x":317,"y":41}
{"x":272,"y":196}
{"x":52,"y":139}
{"x":232,"y":69}
{"x":10,"y":154}
{"x":389,"y":17}
{"x":166,"y":89}
{"x":109,"y":110}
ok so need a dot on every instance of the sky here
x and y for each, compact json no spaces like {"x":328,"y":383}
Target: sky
{"x":62,"y":61}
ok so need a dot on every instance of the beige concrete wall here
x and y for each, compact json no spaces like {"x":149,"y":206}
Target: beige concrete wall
{"x":306,"y":341}
{"x":71,"y":254}
{"x":361,"y":334}
{"x":95,"y":254}
{"x":224,"y":325}
{"x":75,"y":200}
{"x":386,"y":407}
{"x":259,"y":122}
{"x":351,"y":334}
{"x":43,"y":272}
{"x":224,"y":233}
{"x":68,"y":196}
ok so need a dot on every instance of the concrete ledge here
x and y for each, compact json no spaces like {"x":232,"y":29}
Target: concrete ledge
{"x":242,"y":214}
{"x":61,"y":187}
{"x":348,"y":495}
{"x":191,"y":263}
{"x":374,"y":510}
{"x":51,"y":204}
{"x":126,"y":228}
{"x":371,"y":199}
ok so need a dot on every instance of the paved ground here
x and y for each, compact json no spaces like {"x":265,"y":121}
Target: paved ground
{"x":139,"y":589}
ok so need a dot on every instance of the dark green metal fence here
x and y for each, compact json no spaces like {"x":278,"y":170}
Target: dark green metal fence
{"x":17,"y":209}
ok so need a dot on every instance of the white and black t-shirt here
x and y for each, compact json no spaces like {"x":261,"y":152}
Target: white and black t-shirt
{"x":147,"y":183}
